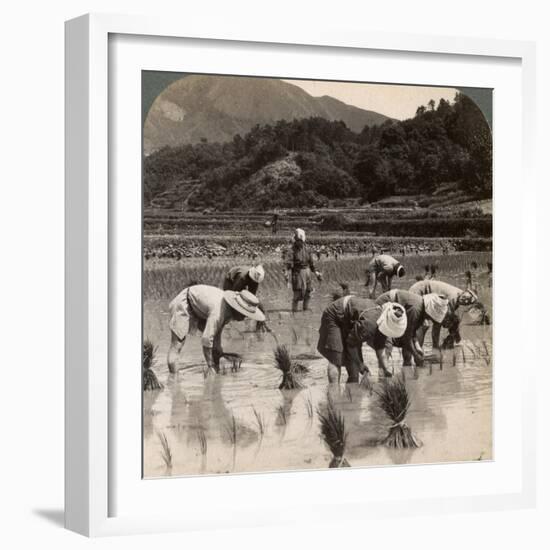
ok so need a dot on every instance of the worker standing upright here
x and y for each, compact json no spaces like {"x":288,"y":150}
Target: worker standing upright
{"x":299,"y":267}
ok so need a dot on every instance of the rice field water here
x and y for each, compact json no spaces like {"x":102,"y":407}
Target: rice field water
{"x":240,"y":421}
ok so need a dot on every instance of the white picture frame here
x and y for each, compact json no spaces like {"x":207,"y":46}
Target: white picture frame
{"x":93,"y":238}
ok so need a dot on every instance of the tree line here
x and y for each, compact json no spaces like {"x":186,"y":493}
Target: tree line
{"x":309,"y":162}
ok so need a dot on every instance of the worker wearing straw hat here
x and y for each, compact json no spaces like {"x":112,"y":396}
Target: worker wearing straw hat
{"x":240,"y":278}
{"x":207,"y":309}
{"x":418,"y":308}
{"x":299,"y":267}
{"x":350,"y":321}
{"x":456,"y":297}
{"x":382,"y":268}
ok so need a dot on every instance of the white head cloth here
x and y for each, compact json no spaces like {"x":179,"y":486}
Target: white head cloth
{"x":390,"y":323}
{"x":257,"y":273}
{"x":300,"y":235}
{"x":436,"y":306}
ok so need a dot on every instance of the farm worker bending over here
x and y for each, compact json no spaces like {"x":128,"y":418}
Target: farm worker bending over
{"x":456,"y":297}
{"x":418,"y":308}
{"x":350,"y":321}
{"x":208,"y":309}
{"x":299,"y":267}
{"x":244,"y":278}
{"x":382,"y":268}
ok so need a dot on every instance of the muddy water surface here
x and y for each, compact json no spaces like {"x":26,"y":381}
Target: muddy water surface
{"x":240,"y":422}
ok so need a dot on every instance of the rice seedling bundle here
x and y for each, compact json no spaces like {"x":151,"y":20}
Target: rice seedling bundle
{"x":333,"y":432}
{"x":150,"y":380}
{"x":293,"y":372}
{"x":394,"y":401}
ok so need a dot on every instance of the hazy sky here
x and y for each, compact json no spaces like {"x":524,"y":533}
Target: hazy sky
{"x":395,"y":101}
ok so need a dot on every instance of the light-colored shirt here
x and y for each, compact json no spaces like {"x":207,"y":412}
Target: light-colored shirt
{"x":382,"y":263}
{"x":438,"y":287}
{"x":207,"y":303}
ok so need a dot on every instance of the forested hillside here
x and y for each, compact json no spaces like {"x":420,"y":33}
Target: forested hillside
{"x":314,"y":162}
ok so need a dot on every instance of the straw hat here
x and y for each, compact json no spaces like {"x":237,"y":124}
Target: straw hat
{"x":244,"y":302}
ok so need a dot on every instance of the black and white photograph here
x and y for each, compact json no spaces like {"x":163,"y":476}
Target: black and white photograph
{"x":288,"y":216}
{"x":317,"y":274}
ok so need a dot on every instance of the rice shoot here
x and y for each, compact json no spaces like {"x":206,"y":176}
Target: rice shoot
{"x":394,"y":401}
{"x":293,"y":372}
{"x":309,"y":406}
{"x":260,"y":421}
{"x":203,"y":443}
{"x":333,"y":432}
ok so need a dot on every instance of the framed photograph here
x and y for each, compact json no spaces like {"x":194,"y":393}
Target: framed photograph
{"x":280,"y":257}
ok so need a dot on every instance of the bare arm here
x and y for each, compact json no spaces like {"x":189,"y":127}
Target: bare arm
{"x":417,"y":352}
{"x":213,"y":354}
{"x":381,"y":356}
{"x":212,"y":341}
{"x":410,"y":343}
{"x":312,"y":267}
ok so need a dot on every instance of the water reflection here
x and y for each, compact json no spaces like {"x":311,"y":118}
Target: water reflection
{"x":451,"y":407}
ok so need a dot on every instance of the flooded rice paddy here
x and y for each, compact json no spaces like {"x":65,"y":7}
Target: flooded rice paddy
{"x":238,"y":421}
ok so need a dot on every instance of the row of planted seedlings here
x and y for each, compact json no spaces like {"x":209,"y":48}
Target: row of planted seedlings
{"x":166,"y":281}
